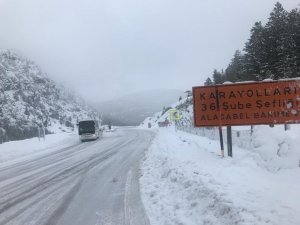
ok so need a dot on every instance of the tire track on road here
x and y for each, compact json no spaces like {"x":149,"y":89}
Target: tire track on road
{"x":27,"y":188}
{"x":42,"y":189}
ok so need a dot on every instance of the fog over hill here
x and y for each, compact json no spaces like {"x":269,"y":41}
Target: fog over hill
{"x":134,"y":108}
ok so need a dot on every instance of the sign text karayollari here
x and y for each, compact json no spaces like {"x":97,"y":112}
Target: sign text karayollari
{"x":272,"y":102}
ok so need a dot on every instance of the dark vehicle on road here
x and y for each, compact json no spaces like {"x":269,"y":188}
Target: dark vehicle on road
{"x":89,"y":130}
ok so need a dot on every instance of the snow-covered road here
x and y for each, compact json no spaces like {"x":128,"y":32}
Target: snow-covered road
{"x":88,"y":183}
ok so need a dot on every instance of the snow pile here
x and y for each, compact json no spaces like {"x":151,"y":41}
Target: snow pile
{"x":278,"y":148}
{"x":14,"y":150}
{"x":185,"y":181}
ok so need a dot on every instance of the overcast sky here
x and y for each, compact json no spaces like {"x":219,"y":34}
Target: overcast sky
{"x":107,"y":48}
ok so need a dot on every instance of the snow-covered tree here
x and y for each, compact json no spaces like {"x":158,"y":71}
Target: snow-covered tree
{"x":235,"y":70}
{"x":218,"y":77}
{"x":208,"y":82}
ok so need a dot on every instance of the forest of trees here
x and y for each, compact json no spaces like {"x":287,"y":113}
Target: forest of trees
{"x":272,"y":51}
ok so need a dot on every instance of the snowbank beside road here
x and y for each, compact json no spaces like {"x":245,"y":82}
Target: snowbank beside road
{"x":278,"y":148}
{"x":15,"y":149}
{"x":186,"y":182}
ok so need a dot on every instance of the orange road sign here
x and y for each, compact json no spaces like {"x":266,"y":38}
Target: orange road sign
{"x":249,"y":103}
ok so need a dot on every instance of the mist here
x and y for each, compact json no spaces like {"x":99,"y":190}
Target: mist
{"x":108,"y":49}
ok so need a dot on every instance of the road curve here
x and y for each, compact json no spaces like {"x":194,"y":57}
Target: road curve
{"x":92,"y":183}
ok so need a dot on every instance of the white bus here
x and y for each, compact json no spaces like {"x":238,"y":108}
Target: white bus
{"x":89,"y":130}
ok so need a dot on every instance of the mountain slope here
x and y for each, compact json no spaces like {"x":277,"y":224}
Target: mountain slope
{"x":184,"y":106}
{"x":29,"y":99}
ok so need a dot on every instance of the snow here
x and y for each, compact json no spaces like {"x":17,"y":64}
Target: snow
{"x":50,"y":187}
{"x":17,"y":150}
{"x":26,"y":89}
{"x":240,"y":128}
{"x":267,"y":80}
{"x":185,"y":181}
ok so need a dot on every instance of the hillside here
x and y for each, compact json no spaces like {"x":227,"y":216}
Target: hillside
{"x":185,"y":107}
{"x":29,"y":99}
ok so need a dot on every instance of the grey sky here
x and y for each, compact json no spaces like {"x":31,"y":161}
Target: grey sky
{"x":107,"y":48}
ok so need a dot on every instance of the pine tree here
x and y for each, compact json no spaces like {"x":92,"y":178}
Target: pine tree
{"x":291,"y":45}
{"x":188,"y":93}
{"x":235,"y":70}
{"x":218,"y":77}
{"x":276,"y":33}
{"x":208,"y":82}
{"x":255,"y":57}
{"x":273,"y":50}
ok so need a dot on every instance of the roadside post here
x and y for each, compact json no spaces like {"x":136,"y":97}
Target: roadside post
{"x":221,"y":141}
{"x":229,"y":141}
{"x":39,"y":132}
{"x":2,"y":135}
{"x":44,"y":133}
{"x":220,"y":123}
{"x":287,"y":127}
{"x":248,"y":103}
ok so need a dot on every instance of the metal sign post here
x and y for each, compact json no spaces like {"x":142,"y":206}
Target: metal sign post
{"x":221,"y":141}
{"x":220,"y":124}
{"x":229,"y":141}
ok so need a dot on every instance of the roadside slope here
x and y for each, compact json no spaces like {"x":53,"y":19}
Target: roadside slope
{"x":186,"y":182}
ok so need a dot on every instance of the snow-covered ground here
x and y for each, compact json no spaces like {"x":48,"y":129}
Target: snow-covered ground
{"x":185,"y":181}
{"x":15,"y":150}
{"x":87,"y":183}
